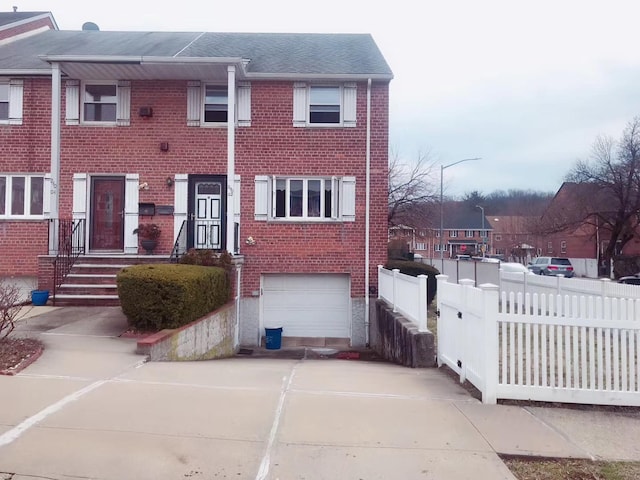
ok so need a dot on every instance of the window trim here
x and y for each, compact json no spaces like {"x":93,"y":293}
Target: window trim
{"x":348,"y":92}
{"x":203,"y":104}
{"x":335,"y":195}
{"x":15,"y":90}
{"x":469,"y":234}
{"x":453,"y":233}
{"x":7,"y":215}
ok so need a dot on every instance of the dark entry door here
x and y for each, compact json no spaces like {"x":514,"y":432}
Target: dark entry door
{"x":107,"y":214}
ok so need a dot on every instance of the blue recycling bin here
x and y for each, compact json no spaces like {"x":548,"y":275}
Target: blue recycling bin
{"x":273,"y":338}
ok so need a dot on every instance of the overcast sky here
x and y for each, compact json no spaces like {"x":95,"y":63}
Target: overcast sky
{"x":527,"y":86}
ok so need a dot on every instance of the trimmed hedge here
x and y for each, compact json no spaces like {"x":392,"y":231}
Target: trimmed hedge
{"x":158,"y":296}
{"x":414,"y":269}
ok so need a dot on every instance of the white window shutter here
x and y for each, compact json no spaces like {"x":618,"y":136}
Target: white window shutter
{"x":349,"y":101}
{"x":72,"y":105}
{"x":299,"y":104}
{"x":131,"y":198}
{"x":261,"y":197}
{"x":16,"y":88}
{"x":79,"y":196}
{"x":244,"y":104}
{"x":194,"y":103}
{"x":46,"y":196}
{"x":348,"y":199}
{"x":180,"y":202}
{"x":124,"y":104}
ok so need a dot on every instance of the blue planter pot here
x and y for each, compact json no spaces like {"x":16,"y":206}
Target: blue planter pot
{"x":39,"y":297}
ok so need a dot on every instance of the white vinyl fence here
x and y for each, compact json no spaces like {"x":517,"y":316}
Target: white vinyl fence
{"x":573,"y":349}
{"x":406,"y":294}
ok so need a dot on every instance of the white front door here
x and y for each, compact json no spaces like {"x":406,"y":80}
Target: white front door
{"x":207,"y":223}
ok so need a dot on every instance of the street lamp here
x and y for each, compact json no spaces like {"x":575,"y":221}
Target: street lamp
{"x":482,"y":231}
{"x":442,"y":169}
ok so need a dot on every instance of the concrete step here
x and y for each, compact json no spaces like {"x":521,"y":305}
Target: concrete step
{"x":91,"y":278}
{"x":68,"y":300}
{"x":88,"y":289}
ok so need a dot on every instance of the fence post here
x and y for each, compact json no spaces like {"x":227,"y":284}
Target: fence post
{"x":396,"y":272}
{"x":440,"y":279}
{"x":604,"y":284}
{"x":380,"y":267}
{"x":422,"y":303}
{"x":490,"y":296}
{"x":466,"y":284}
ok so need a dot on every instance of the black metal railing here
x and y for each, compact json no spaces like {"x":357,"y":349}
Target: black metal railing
{"x":67,"y":241}
{"x":206,"y":234}
{"x":180,"y":246}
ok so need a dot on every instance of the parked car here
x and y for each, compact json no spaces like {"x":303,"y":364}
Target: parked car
{"x":514,"y":267}
{"x":630,"y":280}
{"x":551,"y":266}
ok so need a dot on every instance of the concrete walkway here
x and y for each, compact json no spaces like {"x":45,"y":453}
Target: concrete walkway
{"x":91,"y":408}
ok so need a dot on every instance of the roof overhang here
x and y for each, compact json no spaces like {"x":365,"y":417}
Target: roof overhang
{"x":146,"y":68}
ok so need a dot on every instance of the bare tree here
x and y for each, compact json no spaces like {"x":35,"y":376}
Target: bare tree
{"x":411,"y":189}
{"x":10,"y":299}
{"x":610,"y":197}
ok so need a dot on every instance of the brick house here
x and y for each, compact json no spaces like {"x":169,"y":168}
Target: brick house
{"x":273,"y":147}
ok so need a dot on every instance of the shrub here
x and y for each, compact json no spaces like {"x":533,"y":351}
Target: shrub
{"x":160,"y":296}
{"x":414,"y":269}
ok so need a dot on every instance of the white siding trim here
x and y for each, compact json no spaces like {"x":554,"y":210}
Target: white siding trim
{"x":123,"y":113}
{"x":349,"y":101}
{"x":244,"y":104}
{"x":300,"y":104}
{"x":16,"y":89}
{"x":72,"y":105}
{"x":194,"y":103}
{"x":348,"y":199}
{"x":261,"y":197}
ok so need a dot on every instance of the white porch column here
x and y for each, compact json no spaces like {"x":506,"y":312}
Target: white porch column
{"x":54,"y":204}
{"x":231,"y":145}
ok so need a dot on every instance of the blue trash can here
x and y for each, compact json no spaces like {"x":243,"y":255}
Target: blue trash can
{"x":273,"y":338}
{"x":39,"y":297}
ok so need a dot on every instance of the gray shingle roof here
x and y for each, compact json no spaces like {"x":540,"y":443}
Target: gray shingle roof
{"x":268,"y":53}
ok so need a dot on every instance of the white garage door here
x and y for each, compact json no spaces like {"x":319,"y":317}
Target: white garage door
{"x":307,"y":305}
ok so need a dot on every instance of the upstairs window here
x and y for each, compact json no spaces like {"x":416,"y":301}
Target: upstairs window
{"x":453,"y":233}
{"x":216,"y":104}
{"x":469,"y":234}
{"x":324,"y":104}
{"x":4,"y":101}
{"x":21,"y":196}
{"x":99,"y":102}
{"x":208,"y":104}
{"x":300,"y":199}
{"x":11,"y":102}
{"x":318,"y":105}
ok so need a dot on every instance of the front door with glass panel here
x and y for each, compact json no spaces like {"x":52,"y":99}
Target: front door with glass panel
{"x":207,"y":225}
{"x":107,"y":214}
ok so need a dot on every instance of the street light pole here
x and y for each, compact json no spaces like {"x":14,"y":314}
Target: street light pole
{"x":442,"y":169}
{"x":482,"y":231}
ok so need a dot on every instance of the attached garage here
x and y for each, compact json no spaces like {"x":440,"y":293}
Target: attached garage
{"x":307,"y":305}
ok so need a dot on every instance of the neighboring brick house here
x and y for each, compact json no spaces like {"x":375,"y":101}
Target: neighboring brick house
{"x":112,"y":129}
{"x":465,"y":232}
{"x":512,"y":238}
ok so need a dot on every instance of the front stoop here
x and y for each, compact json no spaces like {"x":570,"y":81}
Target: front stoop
{"x":92,"y":280}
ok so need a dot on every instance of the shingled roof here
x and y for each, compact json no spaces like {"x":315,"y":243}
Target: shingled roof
{"x":264,"y":54}
{"x":7,"y":18}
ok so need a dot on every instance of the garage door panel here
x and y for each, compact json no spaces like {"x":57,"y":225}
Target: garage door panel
{"x":308,"y":305}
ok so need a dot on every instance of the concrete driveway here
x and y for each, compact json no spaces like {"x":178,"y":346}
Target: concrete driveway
{"x":91,"y":408}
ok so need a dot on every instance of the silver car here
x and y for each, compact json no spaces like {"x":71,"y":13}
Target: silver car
{"x":551,"y":266}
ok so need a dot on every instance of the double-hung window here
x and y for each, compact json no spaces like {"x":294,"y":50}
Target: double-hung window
{"x":324,"y":105}
{"x":21,"y":196}
{"x":469,"y":234}
{"x":208,"y":104}
{"x":300,"y":199}
{"x":216,"y":104}
{"x":98,"y":103}
{"x":11,"y":101}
